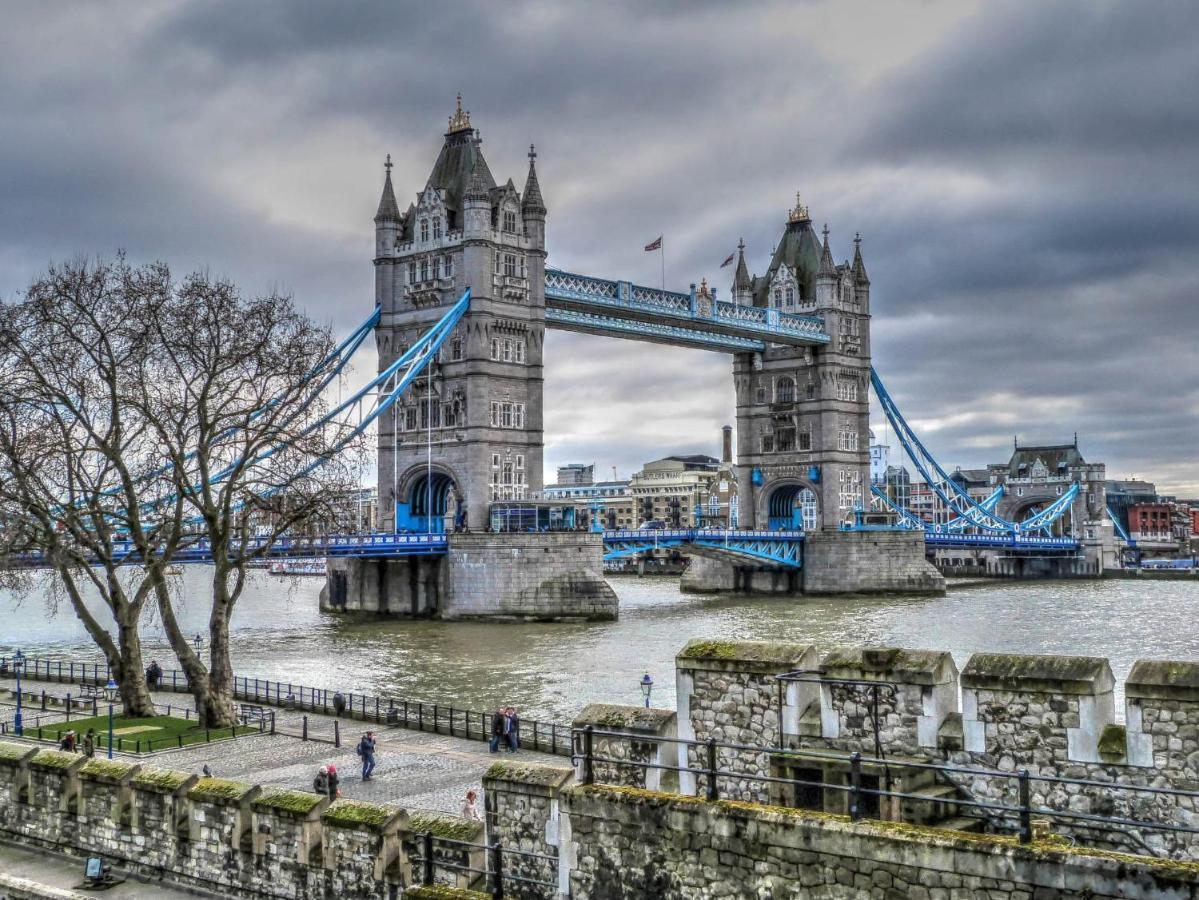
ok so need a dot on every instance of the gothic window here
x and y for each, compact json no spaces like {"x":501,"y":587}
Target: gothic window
{"x":449,"y":267}
{"x":847,"y":440}
{"x":518,"y":351}
{"x":847,"y":390}
{"x":510,"y":264}
{"x":510,"y":221}
{"x":456,"y":349}
{"x":811,"y":390}
{"x":497,"y":264}
{"x":768,"y":443}
{"x":424,"y":229}
{"x":778,"y":297}
{"x":506,"y":415}
{"x":786,"y":439}
{"x":447,"y":415}
{"x":790,"y":296}
{"x":518,"y":415}
{"x":506,"y":350}
{"x":436,"y":268}
{"x":713,"y":505}
{"x":424,"y":270}
{"x":410,"y":418}
{"x":784,"y":390}
{"x":805,"y":440}
{"x":436,"y":227}
{"x":850,"y":494}
{"x":495,"y":348}
{"x":412,"y":272}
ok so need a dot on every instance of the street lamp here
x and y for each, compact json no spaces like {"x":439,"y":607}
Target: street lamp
{"x":110,"y":691}
{"x":18,"y":663}
{"x":647,"y":687}
{"x":198,"y":641}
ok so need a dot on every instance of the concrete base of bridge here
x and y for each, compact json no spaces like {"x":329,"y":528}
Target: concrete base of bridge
{"x":544,"y":577}
{"x":834,"y":562}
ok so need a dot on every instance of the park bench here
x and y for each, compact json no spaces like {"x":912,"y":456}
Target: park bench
{"x":91,"y":691}
{"x":252,"y":712}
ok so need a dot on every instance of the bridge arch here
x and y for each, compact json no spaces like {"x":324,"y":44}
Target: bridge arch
{"x":424,"y":496}
{"x":792,"y":505}
{"x":1020,"y":508}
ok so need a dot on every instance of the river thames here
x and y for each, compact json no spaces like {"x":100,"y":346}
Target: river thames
{"x":551,"y":670}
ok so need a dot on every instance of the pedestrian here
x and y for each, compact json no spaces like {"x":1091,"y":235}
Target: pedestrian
{"x":498,"y":722}
{"x":153,"y":675}
{"x":339,"y":704}
{"x":366,"y":750}
{"x":67,"y":742}
{"x":334,"y":781}
{"x":470,"y":808}
{"x":89,"y":743}
{"x":320,"y":784}
{"x":513,"y":731}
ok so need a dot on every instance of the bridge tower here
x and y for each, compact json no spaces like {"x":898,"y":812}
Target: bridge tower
{"x":470,"y":430}
{"x":803,"y":413}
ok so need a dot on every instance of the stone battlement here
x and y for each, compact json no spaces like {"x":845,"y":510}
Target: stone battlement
{"x":226,"y":836}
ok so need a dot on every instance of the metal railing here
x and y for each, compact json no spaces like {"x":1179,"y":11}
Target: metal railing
{"x":495,"y":872}
{"x":1004,"y":817}
{"x":414,"y":715}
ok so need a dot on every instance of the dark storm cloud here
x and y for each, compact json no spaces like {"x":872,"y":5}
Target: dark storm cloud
{"x":1024,"y":177}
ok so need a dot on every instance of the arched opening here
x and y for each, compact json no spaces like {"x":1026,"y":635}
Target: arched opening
{"x":793,"y":507}
{"x":784,"y":390}
{"x":428,"y":502}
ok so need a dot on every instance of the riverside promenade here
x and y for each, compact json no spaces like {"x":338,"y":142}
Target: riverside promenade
{"x":419,"y":770}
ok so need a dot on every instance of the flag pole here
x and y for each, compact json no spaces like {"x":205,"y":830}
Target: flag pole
{"x":662,"y":256}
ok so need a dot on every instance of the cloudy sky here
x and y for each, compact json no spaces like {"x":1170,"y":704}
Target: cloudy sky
{"x":1025,"y":177}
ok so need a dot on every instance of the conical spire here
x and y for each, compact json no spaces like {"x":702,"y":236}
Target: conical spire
{"x":827,"y":267}
{"x":741,"y":280}
{"x":859,"y":267}
{"x":478,"y":186}
{"x":532,"y":201}
{"x":389,"y":211}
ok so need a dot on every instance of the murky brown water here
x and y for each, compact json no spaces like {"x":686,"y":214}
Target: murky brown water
{"x":551,"y":670}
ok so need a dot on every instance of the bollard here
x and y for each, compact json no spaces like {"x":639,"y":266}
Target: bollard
{"x":1025,"y":807}
{"x":496,"y":852}
{"x":304,"y":736}
{"x":713,"y":793}
{"x":336,"y":733}
{"x":427,"y":858}
{"x":855,"y":787}
{"x":68,"y":707}
{"x":588,"y":764}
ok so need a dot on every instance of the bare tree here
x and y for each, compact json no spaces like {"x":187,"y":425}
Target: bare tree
{"x":77,"y":458}
{"x":139,"y":417}
{"x":233,"y":391}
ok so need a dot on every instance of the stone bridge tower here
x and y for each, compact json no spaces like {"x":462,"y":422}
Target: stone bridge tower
{"x":803,"y":414}
{"x":482,"y":426}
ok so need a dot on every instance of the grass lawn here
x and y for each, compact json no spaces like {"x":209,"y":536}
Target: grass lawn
{"x":140,"y":735}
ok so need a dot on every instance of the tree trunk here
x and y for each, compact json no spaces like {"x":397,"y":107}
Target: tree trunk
{"x":130,"y":675}
{"x":215,"y":702}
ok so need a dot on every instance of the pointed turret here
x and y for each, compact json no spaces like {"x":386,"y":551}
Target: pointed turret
{"x":859,"y":267}
{"x":828,"y":268}
{"x":389,"y":210}
{"x":532,"y":201}
{"x":743,"y":285}
{"x":826,"y":276}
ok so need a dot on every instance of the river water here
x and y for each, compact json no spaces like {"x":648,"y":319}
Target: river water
{"x":552,"y":670}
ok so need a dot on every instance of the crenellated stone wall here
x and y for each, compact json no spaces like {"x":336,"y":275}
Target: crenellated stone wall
{"x":649,"y":762}
{"x":523,"y":813}
{"x":225,"y":836}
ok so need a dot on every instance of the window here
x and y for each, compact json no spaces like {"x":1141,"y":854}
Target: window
{"x":509,"y":264}
{"x":847,"y":440}
{"x":449,"y":267}
{"x":495,"y":348}
{"x":713,"y":505}
{"x":849,"y":325}
{"x":850,"y":494}
{"x":505,"y":414}
{"x":784,"y":390}
{"x":768,"y":443}
{"x":518,"y":348}
{"x":424,"y":270}
{"x":786,"y":439}
{"x":805,"y":440}
{"x":424,"y":229}
{"x":410,"y":418}
{"x":811,"y":390}
{"x":761,"y":394}
{"x":790,"y":296}
{"x":456,"y":349}
{"x":847,"y":390}
{"x":506,"y":350}
{"x":510,"y":221}
{"x":778,"y":297}
{"x":436,"y":227}
{"x":412,"y":272}
{"x":436,"y":268}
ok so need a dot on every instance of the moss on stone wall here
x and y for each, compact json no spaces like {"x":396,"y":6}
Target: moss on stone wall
{"x":527,"y":773}
{"x":357,"y":814}
{"x":55,"y":759}
{"x":11,"y":753}
{"x":449,"y":827}
{"x":1113,"y":743}
{"x":743,"y":651}
{"x":299,"y":803}
{"x":165,"y":781}
{"x":442,"y":892}
{"x":218,"y":790}
{"x":106,"y":769}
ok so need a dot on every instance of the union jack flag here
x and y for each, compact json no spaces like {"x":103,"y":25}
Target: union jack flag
{"x":728,"y":261}
{"x":655,"y":244}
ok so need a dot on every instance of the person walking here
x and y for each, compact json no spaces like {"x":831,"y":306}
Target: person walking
{"x":339,"y":704}
{"x":334,"y":781}
{"x":498,"y":722}
{"x":153,"y":675}
{"x":470,"y":807}
{"x":366,"y":750}
{"x":89,"y":743}
{"x":67,"y":743}
{"x":513,"y":735}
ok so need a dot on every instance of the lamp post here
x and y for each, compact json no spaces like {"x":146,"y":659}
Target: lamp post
{"x":198,"y":641}
{"x":18,"y":663}
{"x":647,"y":687}
{"x":110,"y":691}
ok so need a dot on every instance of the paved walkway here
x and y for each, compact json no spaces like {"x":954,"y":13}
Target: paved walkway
{"x":416,"y":770}
{"x":66,"y":874}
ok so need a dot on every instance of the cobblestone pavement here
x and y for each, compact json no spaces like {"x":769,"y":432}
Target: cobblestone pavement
{"x":416,"y":770}
{"x":66,"y":873}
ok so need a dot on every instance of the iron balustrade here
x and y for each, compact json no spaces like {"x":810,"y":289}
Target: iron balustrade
{"x":415,"y":715}
{"x":995,"y":813}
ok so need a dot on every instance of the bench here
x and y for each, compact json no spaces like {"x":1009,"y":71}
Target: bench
{"x":252,"y":712}
{"x":91,"y":691}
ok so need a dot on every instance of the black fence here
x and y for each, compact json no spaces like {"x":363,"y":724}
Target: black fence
{"x":1012,"y":818}
{"x":429,"y":861}
{"x":415,"y":715}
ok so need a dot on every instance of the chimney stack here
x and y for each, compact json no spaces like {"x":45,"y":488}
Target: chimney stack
{"x":726,"y":453}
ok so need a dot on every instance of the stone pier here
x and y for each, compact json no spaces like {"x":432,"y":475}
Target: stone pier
{"x":539,"y":576}
{"x":834,"y":562}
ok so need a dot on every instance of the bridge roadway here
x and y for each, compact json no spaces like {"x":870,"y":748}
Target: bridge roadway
{"x":783,"y":548}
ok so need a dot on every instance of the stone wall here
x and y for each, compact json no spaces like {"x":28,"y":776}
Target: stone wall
{"x":1052,"y":716}
{"x":665,"y":846}
{"x":523,"y":814}
{"x":649,"y":762}
{"x":545,"y":577}
{"x":868,"y":562}
{"x":225,"y":836}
